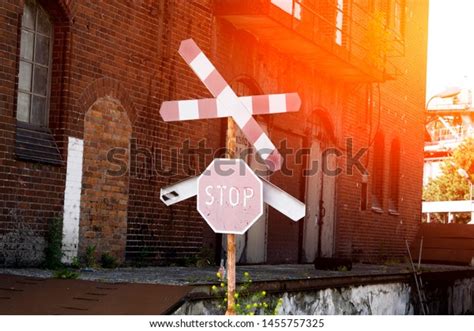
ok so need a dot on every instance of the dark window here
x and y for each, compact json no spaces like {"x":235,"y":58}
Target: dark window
{"x":35,"y":65}
{"x":394,"y":175}
{"x":34,"y":141}
{"x":378,"y":172}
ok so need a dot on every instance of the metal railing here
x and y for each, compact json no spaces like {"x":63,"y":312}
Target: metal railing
{"x":447,"y":211}
{"x":450,"y":106}
{"x":346,"y":24}
{"x":459,"y":132}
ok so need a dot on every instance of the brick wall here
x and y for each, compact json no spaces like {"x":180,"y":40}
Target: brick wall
{"x":362,"y":235}
{"x":134,"y":44}
{"x":127,"y":50}
{"x":368,"y":235}
{"x":104,"y":201}
{"x":30,"y":193}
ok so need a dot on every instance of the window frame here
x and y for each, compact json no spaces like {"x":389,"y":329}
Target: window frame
{"x":33,"y":63}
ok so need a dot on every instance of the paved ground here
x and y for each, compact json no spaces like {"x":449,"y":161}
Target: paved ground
{"x":200,"y":276}
{"x":21,"y":295}
{"x":154,"y":290}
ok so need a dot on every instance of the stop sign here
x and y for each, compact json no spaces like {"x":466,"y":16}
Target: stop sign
{"x":229,"y":196}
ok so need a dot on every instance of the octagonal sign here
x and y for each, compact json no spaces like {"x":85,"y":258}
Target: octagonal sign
{"x":229,"y":196}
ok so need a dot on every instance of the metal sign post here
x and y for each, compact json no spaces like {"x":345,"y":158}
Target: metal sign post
{"x":230,"y":274}
{"x":231,"y":145}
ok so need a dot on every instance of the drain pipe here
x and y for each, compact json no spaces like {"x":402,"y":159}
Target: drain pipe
{"x":321,"y":214}
{"x":303,"y":187}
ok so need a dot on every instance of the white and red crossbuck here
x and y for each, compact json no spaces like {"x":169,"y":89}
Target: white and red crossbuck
{"x":228,"y":104}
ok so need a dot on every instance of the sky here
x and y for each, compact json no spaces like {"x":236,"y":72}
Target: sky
{"x":450,"y":45}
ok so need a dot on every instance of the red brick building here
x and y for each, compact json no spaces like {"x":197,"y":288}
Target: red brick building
{"x":79,"y":79}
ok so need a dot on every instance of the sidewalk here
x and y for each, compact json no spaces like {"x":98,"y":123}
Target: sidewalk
{"x":207,"y":275}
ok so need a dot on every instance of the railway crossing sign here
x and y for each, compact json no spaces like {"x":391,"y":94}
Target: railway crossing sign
{"x":226,"y":103}
{"x":229,"y":196}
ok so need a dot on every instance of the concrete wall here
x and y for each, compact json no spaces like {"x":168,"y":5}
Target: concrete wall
{"x":378,"y":299}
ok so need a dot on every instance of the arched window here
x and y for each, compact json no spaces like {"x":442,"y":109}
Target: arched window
{"x":35,"y":65}
{"x":378,"y":172}
{"x":394,"y":175}
{"x":34,"y":141}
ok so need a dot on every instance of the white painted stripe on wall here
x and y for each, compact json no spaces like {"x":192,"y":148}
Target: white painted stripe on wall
{"x":72,"y":199}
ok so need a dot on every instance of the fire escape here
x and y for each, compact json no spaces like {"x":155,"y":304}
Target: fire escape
{"x":340,"y":38}
{"x":448,"y":124}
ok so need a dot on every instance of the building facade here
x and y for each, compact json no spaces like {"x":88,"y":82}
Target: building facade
{"x":81,"y":139}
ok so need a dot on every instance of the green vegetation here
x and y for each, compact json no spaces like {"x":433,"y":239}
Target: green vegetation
{"x":108,"y":261}
{"x":450,"y":185}
{"x":204,"y":258}
{"x":75,"y":264}
{"x":246,"y":301}
{"x":65,"y":273}
{"x":53,"y":252}
{"x":88,"y":260}
{"x":392,"y":261}
{"x":342,"y":268}
{"x":144,"y":255}
{"x":90,"y":257}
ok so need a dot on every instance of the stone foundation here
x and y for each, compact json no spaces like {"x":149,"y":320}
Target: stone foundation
{"x":377,"y":299}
